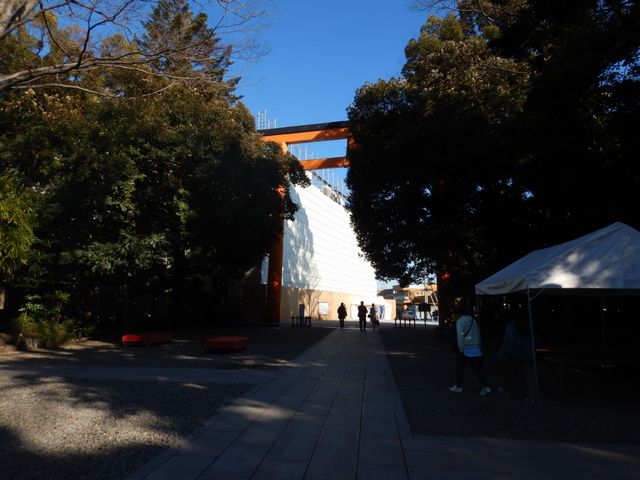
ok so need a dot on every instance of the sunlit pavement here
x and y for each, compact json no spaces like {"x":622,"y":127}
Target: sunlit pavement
{"x":335,"y":413}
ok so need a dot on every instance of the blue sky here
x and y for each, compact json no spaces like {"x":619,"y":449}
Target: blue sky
{"x":321,"y":52}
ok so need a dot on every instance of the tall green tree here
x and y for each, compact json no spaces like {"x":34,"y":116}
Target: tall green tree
{"x":155,"y":204}
{"x":577,"y":142}
{"x":190,"y":45}
{"x":513,"y":127}
{"x":175,"y":196}
{"x":432,"y":179}
{"x":575,"y":139}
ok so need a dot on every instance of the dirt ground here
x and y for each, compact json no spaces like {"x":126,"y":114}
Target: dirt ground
{"x":589,"y":408}
{"x":268,"y":347}
{"x":105,"y":428}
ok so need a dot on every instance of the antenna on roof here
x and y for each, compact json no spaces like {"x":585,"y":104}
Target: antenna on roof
{"x":263,"y":122}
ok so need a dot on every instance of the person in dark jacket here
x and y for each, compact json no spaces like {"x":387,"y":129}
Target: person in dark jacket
{"x":342,"y":314}
{"x":373,"y":315}
{"x":362,"y":317}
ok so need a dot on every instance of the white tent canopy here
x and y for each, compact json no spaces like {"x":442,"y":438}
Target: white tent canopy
{"x":608,"y":258}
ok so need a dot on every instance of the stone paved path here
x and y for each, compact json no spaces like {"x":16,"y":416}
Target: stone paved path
{"x":334,"y":413}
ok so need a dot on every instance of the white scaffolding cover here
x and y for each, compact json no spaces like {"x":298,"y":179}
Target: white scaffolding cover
{"x":607,"y":258}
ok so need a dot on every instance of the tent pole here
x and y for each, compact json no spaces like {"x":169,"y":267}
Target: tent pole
{"x":533,"y":350}
{"x":603,"y":324}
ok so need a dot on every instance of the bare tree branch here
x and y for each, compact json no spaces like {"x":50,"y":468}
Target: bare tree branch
{"x":483,"y":9}
{"x":17,"y":13}
{"x":106,"y":94}
{"x":90,"y":19}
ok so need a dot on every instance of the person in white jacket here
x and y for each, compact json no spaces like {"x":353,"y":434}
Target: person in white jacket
{"x":469,"y":350}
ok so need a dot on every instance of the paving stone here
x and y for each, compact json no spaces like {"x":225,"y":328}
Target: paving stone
{"x":378,"y":428}
{"x":378,"y":411}
{"x":341,"y":419}
{"x":209,"y":444}
{"x":426,"y":473}
{"x":382,"y":472}
{"x":265,"y":433}
{"x":339,"y":433}
{"x":297,"y":447}
{"x":240,"y":459}
{"x":380,"y":452}
{"x":180,"y":467}
{"x":302,"y":423}
{"x":280,"y":470}
{"x":276,"y":414}
{"x":334,"y":469}
{"x":292,"y":397}
{"x":314,"y":410}
{"x":210,"y":476}
{"x":231,"y":423}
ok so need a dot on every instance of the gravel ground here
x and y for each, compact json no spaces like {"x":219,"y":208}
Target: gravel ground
{"x":269,"y":347}
{"x":589,"y":409}
{"x":93,"y":429}
{"x":64,"y":428}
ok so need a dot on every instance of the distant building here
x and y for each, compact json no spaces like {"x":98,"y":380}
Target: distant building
{"x":411,"y":297}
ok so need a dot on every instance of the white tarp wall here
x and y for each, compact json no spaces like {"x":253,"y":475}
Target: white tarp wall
{"x":321,"y":251}
{"x":320,"y":248}
{"x":608,"y":258}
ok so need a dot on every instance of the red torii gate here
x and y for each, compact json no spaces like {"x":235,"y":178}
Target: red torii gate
{"x":285,"y":136}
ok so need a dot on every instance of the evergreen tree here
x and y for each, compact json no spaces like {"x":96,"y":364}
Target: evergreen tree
{"x":513,"y":128}
{"x":432,"y":180}
{"x":149,"y":208}
{"x":187,"y":46}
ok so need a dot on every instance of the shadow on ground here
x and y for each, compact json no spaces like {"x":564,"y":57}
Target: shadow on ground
{"x":52,"y":427}
{"x":269,"y":347}
{"x":588,"y":408}
{"x":97,"y":428}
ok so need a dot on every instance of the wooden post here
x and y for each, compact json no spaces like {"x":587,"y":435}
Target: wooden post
{"x":274,"y":275}
{"x":274,"y":279}
{"x":289,"y":136}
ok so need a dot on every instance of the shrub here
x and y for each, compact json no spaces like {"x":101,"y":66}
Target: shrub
{"x":41,"y":318}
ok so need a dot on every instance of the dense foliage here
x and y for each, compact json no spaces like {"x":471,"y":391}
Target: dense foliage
{"x":16,"y":228}
{"x":512,"y":127}
{"x":147,"y":209}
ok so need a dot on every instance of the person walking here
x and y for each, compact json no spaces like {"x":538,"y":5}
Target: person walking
{"x":362,"y":317}
{"x":373,"y":315}
{"x":469,"y":350}
{"x":342,"y":314}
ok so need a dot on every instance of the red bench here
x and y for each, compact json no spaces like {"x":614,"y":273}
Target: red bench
{"x":225,"y":344}
{"x":151,"y":338}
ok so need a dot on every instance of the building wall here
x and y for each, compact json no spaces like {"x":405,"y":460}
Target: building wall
{"x":315,"y":300}
{"x":322,"y":262}
{"x":320,"y":248}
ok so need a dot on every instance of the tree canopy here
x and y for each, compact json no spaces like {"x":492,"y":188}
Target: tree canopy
{"x":510,"y":129}
{"x":146,"y":208}
{"x":57,"y":43}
